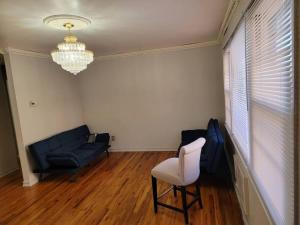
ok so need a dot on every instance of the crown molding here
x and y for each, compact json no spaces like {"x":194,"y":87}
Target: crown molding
{"x":112,"y":56}
{"x":227,"y":18}
{"x":26,"y":53}
{"x":158,"y":50}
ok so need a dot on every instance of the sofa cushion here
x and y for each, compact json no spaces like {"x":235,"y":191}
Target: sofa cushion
{"x":96,"y":146}
{"x":86,"y":156}
{"x":82,"y":131}
{"x":67,"y":140}
{"x":75,"y":144}
{"x":63,"y":159}
{"x":66,"y":137}
{"x":54,"y":143}
{"x":73,"y":139}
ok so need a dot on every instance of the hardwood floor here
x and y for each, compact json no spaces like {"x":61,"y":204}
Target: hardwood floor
{"x":116,"y":190}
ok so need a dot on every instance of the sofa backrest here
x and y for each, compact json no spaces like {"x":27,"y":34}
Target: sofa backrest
{"x":214,"y":145}
{"x":218,"y":131}
{"x":211,"y":139}
{"x":219,"y":153}
{"x":65,"y":141}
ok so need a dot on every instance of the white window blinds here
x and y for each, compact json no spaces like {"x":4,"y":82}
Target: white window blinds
{"x":239,"y":109}
{"x":226,"y":73}
{"x":269,"y":44}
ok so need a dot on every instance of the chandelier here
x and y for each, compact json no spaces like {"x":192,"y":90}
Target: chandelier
{"x":71,"y":55}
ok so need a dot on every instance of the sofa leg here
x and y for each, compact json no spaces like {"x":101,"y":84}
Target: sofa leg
{"x":74,"y":176}
{"x":41,"y":177}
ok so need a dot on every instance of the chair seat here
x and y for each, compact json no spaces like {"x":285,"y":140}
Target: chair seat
{"x":180,"y":172}
{"x":167,"y":171}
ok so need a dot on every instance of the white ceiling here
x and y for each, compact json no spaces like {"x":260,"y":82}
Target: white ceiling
{"x":118,"y":26}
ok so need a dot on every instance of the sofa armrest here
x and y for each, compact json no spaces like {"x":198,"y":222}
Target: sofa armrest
{"x":63,"y":159}
{"x":188,"y":136}
{"x":104,"y":138}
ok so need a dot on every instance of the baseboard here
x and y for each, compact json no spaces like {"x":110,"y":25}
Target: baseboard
{"x":26,"y":183}
{"x":240,"y":203}
{"x":30,"y":182}
{"x":143,"y":150}
{"x":3,"y":174}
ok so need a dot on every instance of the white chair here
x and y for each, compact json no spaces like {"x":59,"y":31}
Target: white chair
{"x":180,"y":172}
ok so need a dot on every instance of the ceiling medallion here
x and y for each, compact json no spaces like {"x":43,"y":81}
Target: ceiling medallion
{"x":71,"y":54}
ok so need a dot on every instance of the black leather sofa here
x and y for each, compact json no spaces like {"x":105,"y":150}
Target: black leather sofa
{"x":212,"y":153}
{"x":68,"y":151}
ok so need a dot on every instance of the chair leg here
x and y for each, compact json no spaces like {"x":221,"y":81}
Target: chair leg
{"x":184,"y":204}
{"x":107,"y":153}
{"x":175,"y":190}
{"x":154,"y":190}
{"x":198,"y":193}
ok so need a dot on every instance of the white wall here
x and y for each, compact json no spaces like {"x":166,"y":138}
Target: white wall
{"x":8,"y":148}
{"x":146,"y":99}
{"x":37,"y":78}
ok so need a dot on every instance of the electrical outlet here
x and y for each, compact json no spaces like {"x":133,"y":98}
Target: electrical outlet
{"x":113,"y":138}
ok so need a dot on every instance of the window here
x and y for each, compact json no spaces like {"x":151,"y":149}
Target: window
{"x":239,"y":91}
{"x":226,"y":71}
{"x":235,"y":86}
{"x":271,"y":99}
{"x":259,"y":100}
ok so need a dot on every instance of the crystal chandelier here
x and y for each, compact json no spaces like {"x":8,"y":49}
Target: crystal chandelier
{"x":72,"y":55}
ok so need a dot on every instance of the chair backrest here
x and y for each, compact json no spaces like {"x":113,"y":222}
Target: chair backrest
{"x":189,"y":161}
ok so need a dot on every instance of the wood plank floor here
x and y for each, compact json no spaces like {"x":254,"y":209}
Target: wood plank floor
{"x":116,"y":190}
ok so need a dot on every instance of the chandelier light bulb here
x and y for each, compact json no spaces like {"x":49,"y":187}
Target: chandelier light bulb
{"x":71,"y":54}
